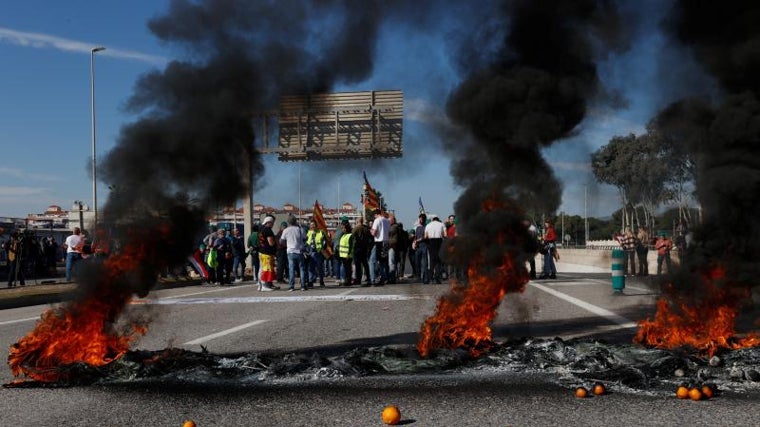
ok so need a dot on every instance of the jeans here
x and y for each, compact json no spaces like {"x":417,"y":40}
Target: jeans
{"x":317,"y":267}
{"x":238,"y":264}
{"x":660,"y":259}
{"x":296,"y":260}
{"x":377,"y":259}
{"x":71,"y":259}
{"x":549,"y":268}
{"x":629,"y":260}
{"x":422,"y":262}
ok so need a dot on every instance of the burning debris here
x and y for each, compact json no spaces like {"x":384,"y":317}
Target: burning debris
{"x":620,"y":368}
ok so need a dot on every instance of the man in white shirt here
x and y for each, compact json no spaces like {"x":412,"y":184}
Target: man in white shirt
{"x":380,"y":230}
{"x":435,"y":232}
{"x":293,"y":237}
{"x":74,"y":244}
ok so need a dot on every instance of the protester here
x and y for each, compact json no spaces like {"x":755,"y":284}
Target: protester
{"x":663,"y":247}
{"x":363,"y":241}
{"x":392,"y":248}
{"x":293,"y":239}
{"x":402,"y":247}
{"x":281,"y":255}
{"x":345,"y":252}
{"x":223,"y":248}
{"x":421,"y":249}
{"x":74,"y":244}
{"x":253,"y":251}
{"x":549,"y":246}
{"x":628,"y":244}
{"x":316,"y":241}
{"x":435,"y":232}
{"x":239,"y":255}
{"x":267,"y":252}
{"x":451,"y":232}
{"x":14,"y":252}
{"x":380,"y":230}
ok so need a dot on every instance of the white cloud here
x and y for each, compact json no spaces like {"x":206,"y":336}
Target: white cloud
{"x":45,"y":41}
{"x":23,"y":175}
{"x":571,"y":166}
{"x":16,"y":193}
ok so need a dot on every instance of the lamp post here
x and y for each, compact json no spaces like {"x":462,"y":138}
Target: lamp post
{"x":92,"y":109}
{"x":79,"y":205}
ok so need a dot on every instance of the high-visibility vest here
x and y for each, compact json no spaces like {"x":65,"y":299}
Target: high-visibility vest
{"x":316,"y":239}
{"x":346,"y":246}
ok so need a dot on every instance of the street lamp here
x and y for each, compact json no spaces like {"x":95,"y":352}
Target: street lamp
{"x":92,"y":109}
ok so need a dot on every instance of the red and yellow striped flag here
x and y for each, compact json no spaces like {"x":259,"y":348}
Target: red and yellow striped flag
{"x":319,"y":218}
{"x":371,"y":201}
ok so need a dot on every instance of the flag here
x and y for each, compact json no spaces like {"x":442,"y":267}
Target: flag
{"x":319,"y":218}
{"x":422,"y":208}
{"x":371,"y":200}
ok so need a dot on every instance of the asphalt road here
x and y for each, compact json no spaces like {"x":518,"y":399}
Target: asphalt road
{"x":332,"y":321}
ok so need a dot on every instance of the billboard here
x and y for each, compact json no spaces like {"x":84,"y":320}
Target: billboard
{"x":345,"y":125}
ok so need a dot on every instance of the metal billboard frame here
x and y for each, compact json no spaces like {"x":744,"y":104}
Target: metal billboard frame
{"x":342,"y":125}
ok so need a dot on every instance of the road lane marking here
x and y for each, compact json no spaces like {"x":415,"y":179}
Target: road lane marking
{"x":635,"y":288}
{"x":10,"y":322}
{"x":201,"y":340}
{"x":209,"y":291}
{"x":599,"y":311}
{"x":314,"y":298}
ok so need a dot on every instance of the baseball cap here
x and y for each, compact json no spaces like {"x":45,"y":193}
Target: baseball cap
{"x":269,"y":219}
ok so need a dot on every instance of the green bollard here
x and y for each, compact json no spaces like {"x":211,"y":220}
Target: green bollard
{"x":618,"y":278}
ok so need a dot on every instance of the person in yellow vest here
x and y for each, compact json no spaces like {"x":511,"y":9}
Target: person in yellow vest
{"x":345,"y":253}
{"x":316,"y":241}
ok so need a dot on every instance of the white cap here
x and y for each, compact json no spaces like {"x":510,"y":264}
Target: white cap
{"x":269,"y":219}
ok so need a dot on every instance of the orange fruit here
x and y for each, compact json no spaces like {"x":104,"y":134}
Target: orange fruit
{"x":188,"y":423}
{"x":695,"y":394}
{"x":682,"y":392}
{"x":707,"y":391}
{"x":391,"y":415}
{"x":599,"y":389}
{"x":581,"y":392}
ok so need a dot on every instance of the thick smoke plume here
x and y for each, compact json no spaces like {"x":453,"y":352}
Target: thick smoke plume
{"x":532,"y":89}
{"x":722,"y":136}
{"x":187,"y":154}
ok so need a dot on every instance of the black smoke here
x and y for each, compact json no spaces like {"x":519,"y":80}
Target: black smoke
{"x":721,"y":133}
{"x":187,"y":152}
{"x":529,"y":85}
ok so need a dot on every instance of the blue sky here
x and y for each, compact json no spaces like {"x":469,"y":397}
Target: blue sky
{"x":45,"y":112}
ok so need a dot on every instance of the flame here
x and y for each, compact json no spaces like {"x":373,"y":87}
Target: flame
{"x":84,"y":331}
{"x":706,"y":324}
{"x":464,"y":315}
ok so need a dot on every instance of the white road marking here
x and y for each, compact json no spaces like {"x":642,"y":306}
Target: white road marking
{"x":209,"y":291}
{"x":201,"y":340}
{"x":248,"y":300}
{"x":10,"y":322}
{"x":599,"y":311}
{"x":635,"y":288}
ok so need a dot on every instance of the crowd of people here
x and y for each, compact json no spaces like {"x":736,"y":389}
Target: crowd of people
{"x":636,"y":247}
{"x":359,"y":254}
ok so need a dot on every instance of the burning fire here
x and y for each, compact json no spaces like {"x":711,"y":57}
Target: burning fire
{"x":464,"y":315}
{"x":706,"y":324}
{"x":84,"y":331}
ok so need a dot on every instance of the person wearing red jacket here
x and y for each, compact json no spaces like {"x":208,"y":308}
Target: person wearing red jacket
{"x":550,"y":239}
